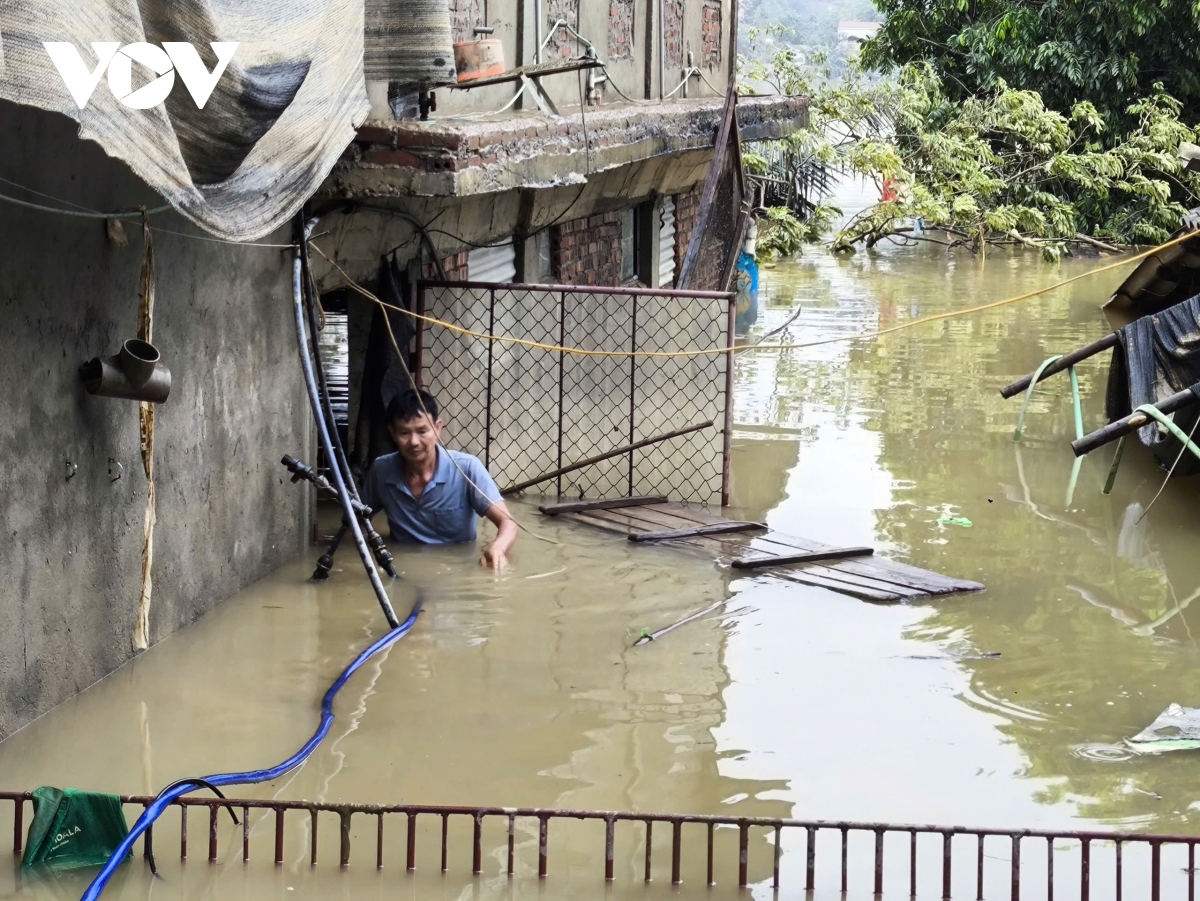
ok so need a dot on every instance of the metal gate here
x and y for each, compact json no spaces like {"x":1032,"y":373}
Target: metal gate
{"x":526,"y":406}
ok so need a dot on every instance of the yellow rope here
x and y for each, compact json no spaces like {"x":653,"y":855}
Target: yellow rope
{"x":711,"y":351}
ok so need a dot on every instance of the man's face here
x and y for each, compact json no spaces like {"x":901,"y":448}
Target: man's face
{"x":416,"y":438}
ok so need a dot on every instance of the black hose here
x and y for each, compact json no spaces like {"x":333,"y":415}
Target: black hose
{"x":302,"y":231}
{"x":382,"y":555}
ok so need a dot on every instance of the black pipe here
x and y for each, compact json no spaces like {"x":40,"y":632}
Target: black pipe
{"x":302,"y":230}
{"x":382,"y":555}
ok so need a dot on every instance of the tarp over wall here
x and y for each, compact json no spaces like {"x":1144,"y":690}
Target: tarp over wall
{"x":276,"y":122}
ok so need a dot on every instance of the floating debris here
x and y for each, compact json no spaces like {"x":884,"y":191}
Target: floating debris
{"x":1176,"y":729}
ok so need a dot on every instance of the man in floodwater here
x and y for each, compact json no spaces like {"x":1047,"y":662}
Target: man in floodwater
{"x":432,"y":495}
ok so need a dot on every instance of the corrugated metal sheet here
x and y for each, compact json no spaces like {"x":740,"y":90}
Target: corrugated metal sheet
{"x":666,"y":243}
{"x":492,"y":264}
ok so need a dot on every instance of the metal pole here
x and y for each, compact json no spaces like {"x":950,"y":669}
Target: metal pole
{"x":632,"y":387}
{"x":302,"y":231}
{"x":562,"y":342}
{"x":662,"y":49}
{"x":487,"y":413}
{"x":419,"y":354}
{"x":727,"y":442}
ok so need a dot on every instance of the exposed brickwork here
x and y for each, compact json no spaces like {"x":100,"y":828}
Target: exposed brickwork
{"x":587,"y":251}
{"x":710,"y":33}
{"x":464,"y":16}
{"x":687,"y":205}
{"x":455,"y":266}
{"x":673,"y":31}
{"x":563,"y":43}
{"x":620,"y":29}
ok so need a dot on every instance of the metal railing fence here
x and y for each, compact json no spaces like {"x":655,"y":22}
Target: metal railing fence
{"x":884,"y":860}
{"x":528,"y":410}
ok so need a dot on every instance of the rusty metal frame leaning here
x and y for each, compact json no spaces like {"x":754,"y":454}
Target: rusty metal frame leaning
{"x":774,"y":826}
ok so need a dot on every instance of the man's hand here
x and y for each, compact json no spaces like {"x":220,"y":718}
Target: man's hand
{"x":496,"y":555}
{"x":493,"y":559}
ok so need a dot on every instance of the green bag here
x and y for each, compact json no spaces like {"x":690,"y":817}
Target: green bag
{"x":73,"y":829}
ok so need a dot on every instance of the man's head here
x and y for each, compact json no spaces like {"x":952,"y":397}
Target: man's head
{"x":414,"y":426}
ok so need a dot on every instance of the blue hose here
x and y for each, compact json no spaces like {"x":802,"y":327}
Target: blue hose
{"x":160,"y":804}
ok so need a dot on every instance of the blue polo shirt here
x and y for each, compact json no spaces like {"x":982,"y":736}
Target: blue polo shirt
{"x":446,"y":510}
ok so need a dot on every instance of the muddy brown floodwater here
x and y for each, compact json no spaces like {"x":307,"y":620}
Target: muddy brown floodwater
{"x":525,"y":689}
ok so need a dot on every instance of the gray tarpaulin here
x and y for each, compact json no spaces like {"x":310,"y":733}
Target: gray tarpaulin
{"x":279,"y":117}
{"x":1156,"y":357}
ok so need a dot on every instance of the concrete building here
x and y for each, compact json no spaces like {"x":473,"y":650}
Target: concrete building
{"x":592,"y":178}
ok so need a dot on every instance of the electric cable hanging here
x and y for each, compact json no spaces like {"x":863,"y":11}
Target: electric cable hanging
{"x":737,"y":348}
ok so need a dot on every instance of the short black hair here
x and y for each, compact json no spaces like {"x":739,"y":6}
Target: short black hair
{"x":411,"y":404}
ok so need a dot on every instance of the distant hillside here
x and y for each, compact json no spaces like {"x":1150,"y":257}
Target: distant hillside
{"x":815,"y":22}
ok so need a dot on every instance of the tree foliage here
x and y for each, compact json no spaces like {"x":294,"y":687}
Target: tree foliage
{"x":999,"y":164}
{"x":1068,"y":51}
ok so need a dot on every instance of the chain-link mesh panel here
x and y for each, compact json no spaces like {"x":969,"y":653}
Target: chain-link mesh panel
{"x":527,"y":411}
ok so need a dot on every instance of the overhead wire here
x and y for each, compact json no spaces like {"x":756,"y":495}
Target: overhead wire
{"x":836,"y":339}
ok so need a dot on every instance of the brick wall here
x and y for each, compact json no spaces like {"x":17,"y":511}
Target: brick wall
{"x":455,"y":266}
{"x":587,"y":251}
{"x":464,"y":16}
{"x":673,"y":33}
{"x":710,"y":33}
{"x":563,"y":44}
{"x":687,"y":206}
{"x":620,"y":29}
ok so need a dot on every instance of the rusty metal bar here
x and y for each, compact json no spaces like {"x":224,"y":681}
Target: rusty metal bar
{"x":1119,"y":869}
{"x":598,"y":458}
{"x":148,"y":841}
{"x":477,"y":845}
{"x":878,"y":861}
{"x":979,"y":882}
{"x":912,"y":864}
{"x":183,"y":818}
{"x":717,"y":528}
{"x":1061,"y":364}
{"x":727,"y":436}
{"x":778,"y":856}
{"x":279,"y":812}
{"x":411,"y":860}
{"x":245,"y":833}
{"x":344,"y":848}
{"x":1155,"y":871}
{"x":581,"y":289}
{"x":947,"y":864}
{"x":212,"y":832}
{"x":676,"y":848}
{"x":379,"y":843}
{"x":845,"y":861}
{"x":1085,"y":871}
{"x":743,"y":854}
{"x":487,"y":411}
{"x":313,"y":860}
{"x":612,"y":503}
{"x":649,"y":839}
{"x":543,"y":844}
{"x":810,"y":862}
{"x":445,"y":830}
{"x":1016,"y":868}
{"x":511,"y":839}
{"x":1191,"y":871}
{"x":709,"y":877}
{"x":1049,"y":869}
{"x":18,"y":824}
{"x":609,"y":842}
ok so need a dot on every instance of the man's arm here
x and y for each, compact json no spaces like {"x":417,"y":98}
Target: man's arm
{"x":495,"y":555}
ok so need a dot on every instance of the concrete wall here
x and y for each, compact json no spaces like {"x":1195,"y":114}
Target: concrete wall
{"x":71,"y":553}
{"x":625,"y":34}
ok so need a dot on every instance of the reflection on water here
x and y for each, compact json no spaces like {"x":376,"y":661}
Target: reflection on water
{"x":1005,"y":708}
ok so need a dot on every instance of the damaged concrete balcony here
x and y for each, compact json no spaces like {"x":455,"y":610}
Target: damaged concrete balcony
{"x":454,"y":158}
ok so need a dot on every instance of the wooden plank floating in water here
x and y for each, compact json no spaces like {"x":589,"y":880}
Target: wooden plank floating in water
{"x":774,"y":554}
{"x":611,"y":504}
{"x":719,"y":528}
{"x":809,"y":557}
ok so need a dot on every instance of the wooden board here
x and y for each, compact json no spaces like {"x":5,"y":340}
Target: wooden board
{"x":868,"y":578}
